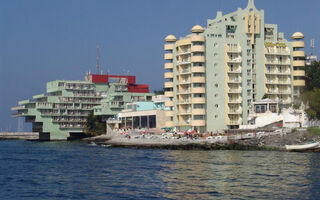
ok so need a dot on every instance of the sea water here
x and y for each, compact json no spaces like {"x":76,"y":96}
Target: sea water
{"x":76,"y":170}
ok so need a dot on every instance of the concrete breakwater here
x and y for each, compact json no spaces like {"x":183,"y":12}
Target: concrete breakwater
{"x":20,"y":135}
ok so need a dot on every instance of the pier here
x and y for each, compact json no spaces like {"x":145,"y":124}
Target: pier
{"x":19,"y":135}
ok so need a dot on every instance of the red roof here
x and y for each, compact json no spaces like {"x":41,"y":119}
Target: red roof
{"x":131,"y":82}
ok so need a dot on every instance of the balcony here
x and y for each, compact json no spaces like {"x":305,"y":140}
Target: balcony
{"x":234,"y":60}
{"x":200,"y":59}
{"x":183,"y":52}
{"x":168,"y":47}
{"x":198,"y":79}
{"x":278,"y":72}
{"x":183,"y":62}
{"x":198,"y":69}
{"x":277,"y":52}
{"x":18,"y":108}
{"x":199,"y":100}
{"x":198,"y":122}
{"x":298,"y":54}
{"x":186,"y":101}
{"x":235,"y":122}
{"x":199,"y":90}
{"x":168,"y":103}
{"x":168,"y":75}
{"x":44,"y":105}
{"x":234,"y":101}
{"x":197,"y":49}
{"x":198,"y":111}
{"x":168,"y":56}
{"x":234,"y":71}
{"x":276,"y":62}
{"x":272,"y":81}
{"x":168,"y":85}
{"x":198,"y":38}
{"x":234,"y":80}
{"x":299,"y":83}
{"x":236,"y":111}
{"x":233,"y":49}
{"x":285,"y":91}
{"x":298,"y":44}
{"x":168,"y":94}
{"x":184,"y":91}
{"x":184,"y":82}
{"x":284,"y":82}
{"x":235,"y":91}
{"x":299,"y":73}
{"x":184,"y":112}
{"x":185,"y":71}
{"x":298,"y":63}
{"x":272,"y":91}
{"x":168,"y":66}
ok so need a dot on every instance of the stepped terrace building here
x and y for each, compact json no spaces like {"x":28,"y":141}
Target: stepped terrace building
{"x":215,"y":74}
{"x":61,"y":113}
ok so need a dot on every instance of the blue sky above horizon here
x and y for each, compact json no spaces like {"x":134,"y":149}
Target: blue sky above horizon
{"x":42,"y":40}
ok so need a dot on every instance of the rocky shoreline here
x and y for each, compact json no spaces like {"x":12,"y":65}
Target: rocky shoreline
{"x":263,"y":141}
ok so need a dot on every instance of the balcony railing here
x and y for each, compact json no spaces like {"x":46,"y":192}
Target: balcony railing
{"x":235,"y":100}
{"x":235,"y":90}
{"x":183,"y":62}
{"x":234,"y":60}
{"x":236,"y":71}
{"x":234,"y":80}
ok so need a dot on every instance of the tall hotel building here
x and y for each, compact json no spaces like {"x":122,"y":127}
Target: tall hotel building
{"x":214,"y":74}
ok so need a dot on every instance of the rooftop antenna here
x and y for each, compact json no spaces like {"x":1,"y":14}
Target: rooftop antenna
{"x":312,"y":45}
{"x":98,"y":59}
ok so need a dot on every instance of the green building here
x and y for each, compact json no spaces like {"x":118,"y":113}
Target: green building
{"x":61,"y":112}
{"x":215,"y":74}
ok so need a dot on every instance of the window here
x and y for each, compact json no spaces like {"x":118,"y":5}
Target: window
{"x":198,"y":106}
{"x":248,"y":52}
{"x":248,"y":72}
{"x":198,"y":85}
{"x":198,"y":75}
{"x":216,"y":105}
{"x":216,"y":95}
{"x":248,"y":42}
{"x":197,"y":54}
{"x":216,"y":85}
{"x":198,"y":117}
{"x":198,"y":95}
{"x":248,"y":82}
{"x":216,"y":116}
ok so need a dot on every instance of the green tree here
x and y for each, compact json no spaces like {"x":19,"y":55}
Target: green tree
{"x":94,"y":125}
{"x":312,"y":100}
{"x":313,"y":76}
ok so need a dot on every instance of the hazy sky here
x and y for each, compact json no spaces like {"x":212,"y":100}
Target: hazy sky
{"x":42,"y":40}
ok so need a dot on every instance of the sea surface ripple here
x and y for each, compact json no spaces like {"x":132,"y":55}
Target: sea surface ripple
{"x":76,"y":170}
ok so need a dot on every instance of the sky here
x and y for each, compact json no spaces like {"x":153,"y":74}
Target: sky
{"x":42,"y":40}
